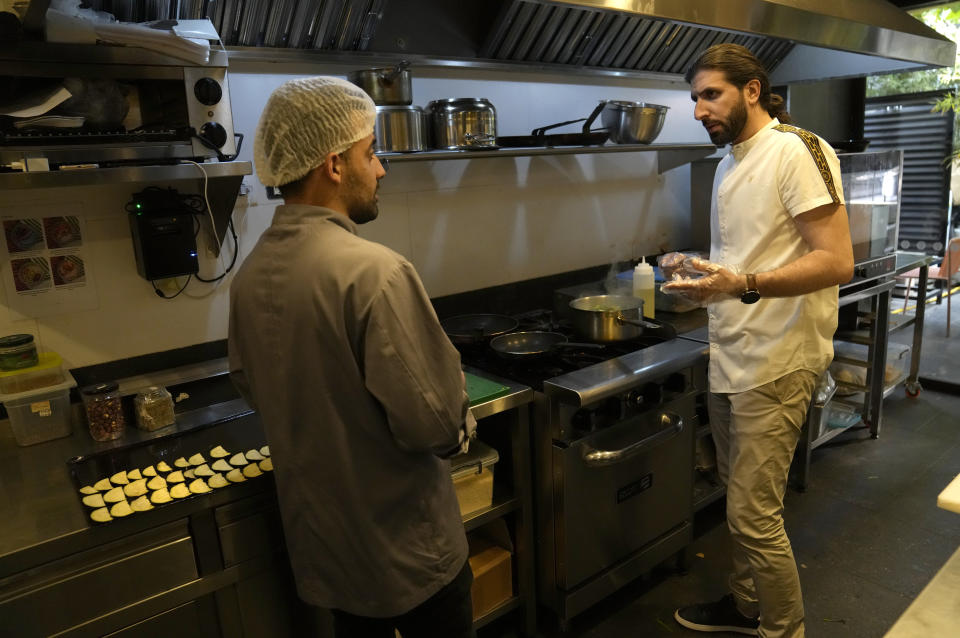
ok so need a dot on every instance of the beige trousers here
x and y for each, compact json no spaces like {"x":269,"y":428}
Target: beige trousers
{"x":756,"y":433}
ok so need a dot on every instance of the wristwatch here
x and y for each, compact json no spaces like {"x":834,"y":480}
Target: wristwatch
{"x":751,"y":294}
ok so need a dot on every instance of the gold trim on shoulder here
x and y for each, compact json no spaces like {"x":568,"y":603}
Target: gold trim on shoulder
{"x":812,"y":142}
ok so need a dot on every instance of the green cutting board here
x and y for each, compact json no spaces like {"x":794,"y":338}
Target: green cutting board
{"x":480,"y":389}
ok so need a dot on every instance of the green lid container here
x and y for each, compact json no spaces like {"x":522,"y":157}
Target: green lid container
{"x":18,"y":351}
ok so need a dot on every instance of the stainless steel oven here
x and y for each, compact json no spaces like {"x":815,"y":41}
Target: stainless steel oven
{"x":613,"y":431}
{"x":613,"y":467}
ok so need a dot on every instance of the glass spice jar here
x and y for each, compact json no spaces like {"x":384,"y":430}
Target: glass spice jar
{"x":104,"y":411}
{"x":154,"y":408}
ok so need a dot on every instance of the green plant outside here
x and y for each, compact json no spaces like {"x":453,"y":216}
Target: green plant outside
{"x":945,"y":20}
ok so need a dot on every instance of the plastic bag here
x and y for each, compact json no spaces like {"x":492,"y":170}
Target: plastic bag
{"x":698,"y":280}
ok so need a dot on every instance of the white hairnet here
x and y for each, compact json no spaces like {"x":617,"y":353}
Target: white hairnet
{"x":306,"y":119}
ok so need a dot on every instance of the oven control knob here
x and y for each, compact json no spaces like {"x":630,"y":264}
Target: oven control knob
{"x":649,"y":394}
{"x":676,"y":382}
{"x":581,"y":420}
{"x":208,"y":91}
{"x":214,"y":133}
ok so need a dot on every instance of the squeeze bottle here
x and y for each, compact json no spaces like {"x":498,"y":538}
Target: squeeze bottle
{"x":643,"y":286}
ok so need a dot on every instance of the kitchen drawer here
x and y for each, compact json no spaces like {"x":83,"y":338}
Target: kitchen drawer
{"x":67,"y":592}
{"x":248,"y":529}
{"x":194,"y":619}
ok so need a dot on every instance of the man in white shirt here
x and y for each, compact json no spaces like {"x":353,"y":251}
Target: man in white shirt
{"x":779,"y":228}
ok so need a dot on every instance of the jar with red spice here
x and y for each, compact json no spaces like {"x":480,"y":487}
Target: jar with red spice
{"x":104,"y":410}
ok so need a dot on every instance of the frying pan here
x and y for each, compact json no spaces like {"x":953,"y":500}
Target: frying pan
{"x":477,"y":328}
{"x":538,"y":137}
{"x":530,"y":344}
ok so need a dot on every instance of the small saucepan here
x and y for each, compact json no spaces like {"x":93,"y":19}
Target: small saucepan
{"x":466,"y":330}
{"x":606,"y":318}
{"x":531,"y":344}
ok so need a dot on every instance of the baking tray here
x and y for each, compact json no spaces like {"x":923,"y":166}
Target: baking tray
{"x":237,"y":435}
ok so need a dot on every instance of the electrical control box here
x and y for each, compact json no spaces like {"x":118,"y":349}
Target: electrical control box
{"x":164,"y":236}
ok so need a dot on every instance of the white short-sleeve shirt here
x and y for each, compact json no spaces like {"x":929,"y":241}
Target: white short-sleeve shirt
{"x":759,"y":187}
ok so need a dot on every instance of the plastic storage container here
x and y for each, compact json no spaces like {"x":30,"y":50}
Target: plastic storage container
{"x":896,"y":368}
{"x":17,"y":352}
{"x":104,"y":411}
{"x":154,"y":409}
{"x":47,"y":372}
{"x":473,"y":477}
{"x":42,"y":414}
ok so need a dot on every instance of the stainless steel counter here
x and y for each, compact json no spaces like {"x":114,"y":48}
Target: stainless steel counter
{"x":43,"y":517}
{"x":519,"y":395}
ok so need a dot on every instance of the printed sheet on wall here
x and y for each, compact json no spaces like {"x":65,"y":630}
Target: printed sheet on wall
{"x":46,"y":267}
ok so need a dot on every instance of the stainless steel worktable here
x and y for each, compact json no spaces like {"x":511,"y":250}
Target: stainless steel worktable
{"x":905,"y":263}
{"x":227,"y":542}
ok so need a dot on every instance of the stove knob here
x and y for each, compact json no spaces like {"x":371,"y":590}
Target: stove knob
{"x":581,"y":420}
{"x":676,"y":383}
{"x":650,"y":394}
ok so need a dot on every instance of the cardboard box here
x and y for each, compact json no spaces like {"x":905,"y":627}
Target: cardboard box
{"x":492,"y":575}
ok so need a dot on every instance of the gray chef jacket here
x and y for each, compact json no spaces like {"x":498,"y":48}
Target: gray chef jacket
{"x":334,"y":342}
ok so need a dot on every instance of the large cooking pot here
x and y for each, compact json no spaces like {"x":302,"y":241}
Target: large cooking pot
{"x":607,"y":318}
{"x":399,"y":129}
{"x":632,"y":122}
{"x":468,"y":123}
{"x":390,"y":85}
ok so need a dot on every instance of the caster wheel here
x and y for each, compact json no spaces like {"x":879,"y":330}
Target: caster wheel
{"x":913,"y":390}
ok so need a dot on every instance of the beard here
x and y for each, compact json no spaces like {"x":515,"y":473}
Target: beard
{"x":361,"y":208}
{"x":731,"y":129}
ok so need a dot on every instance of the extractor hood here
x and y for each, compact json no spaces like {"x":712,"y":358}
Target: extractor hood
{"x":798,"y":40}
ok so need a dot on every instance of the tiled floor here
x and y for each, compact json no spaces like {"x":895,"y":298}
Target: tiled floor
{"x":867,"y":534}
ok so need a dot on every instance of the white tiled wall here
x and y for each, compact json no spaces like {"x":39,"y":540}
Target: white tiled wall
{"x":464,"y":224}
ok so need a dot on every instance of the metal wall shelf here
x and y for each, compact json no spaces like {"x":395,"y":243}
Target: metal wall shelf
{"x":122,"y":174}
{"x":668,"y":155}
{"x":223,"y":183}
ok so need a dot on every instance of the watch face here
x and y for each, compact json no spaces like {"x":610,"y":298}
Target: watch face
{"x":750,"y":296}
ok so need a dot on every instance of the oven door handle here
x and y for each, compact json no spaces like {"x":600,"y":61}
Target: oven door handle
{"x":672,"y":426}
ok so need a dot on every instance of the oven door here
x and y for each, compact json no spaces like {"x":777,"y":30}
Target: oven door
{"x":620,"y":488}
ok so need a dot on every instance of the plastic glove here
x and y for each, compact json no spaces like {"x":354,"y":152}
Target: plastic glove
{"x":707,"y":283}
{"x":676,"y":266}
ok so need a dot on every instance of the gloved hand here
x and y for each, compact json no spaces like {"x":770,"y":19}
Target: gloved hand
{"x":706,"y":282}
{"x":675,"y":266}
{"x":467,"y":433}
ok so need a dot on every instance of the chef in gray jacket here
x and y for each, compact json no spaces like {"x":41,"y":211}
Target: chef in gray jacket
{"x":334,"y":342}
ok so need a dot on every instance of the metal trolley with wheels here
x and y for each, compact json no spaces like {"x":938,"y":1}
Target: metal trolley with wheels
{"x":905,"y":263}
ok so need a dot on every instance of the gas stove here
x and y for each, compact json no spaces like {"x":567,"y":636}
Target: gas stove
{"x":612,"y":437}
{"x":533,"y":371}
